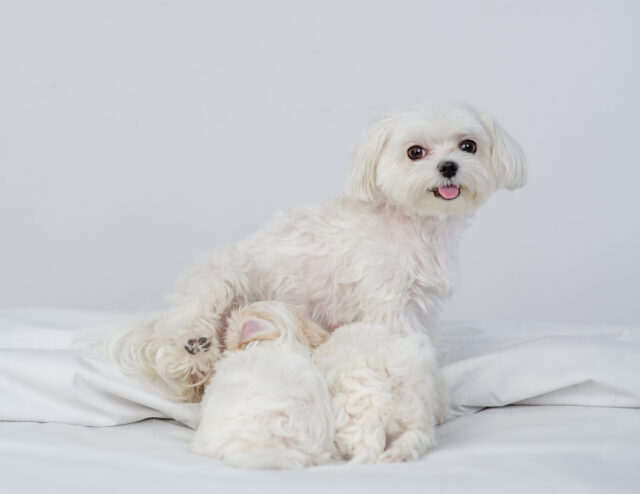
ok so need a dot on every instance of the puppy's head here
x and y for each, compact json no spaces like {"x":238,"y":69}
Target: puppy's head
{"x":273,"y":323}
{"x":439,"y":159}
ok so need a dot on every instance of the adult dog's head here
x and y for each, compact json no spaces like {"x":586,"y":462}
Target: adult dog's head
{"x":438,"y":159}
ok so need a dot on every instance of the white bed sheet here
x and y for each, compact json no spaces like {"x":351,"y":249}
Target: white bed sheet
{"x":583,"y":435}
{"x":515,"y":449}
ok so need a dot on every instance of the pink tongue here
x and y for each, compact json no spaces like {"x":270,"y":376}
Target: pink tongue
{"x":449,"y":192}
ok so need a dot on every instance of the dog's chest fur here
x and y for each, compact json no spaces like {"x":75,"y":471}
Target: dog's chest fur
{"x":348,"y":261}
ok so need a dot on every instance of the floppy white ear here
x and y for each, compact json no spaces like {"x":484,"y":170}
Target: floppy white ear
{"x":507,"y":157}
{"x":361,"y":180}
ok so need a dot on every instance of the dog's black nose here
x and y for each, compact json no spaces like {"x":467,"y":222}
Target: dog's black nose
{"x":448,"y":169}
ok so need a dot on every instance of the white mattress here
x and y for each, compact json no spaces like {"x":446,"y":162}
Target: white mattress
{"x":536,"y":408}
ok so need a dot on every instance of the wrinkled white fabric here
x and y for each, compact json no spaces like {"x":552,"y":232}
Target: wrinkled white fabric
{"x":46,"y":377}
{"x":497,"y":364}
{"x":518,"y":449}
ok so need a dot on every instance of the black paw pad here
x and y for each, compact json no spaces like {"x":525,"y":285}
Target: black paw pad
{"x":199,"y":344}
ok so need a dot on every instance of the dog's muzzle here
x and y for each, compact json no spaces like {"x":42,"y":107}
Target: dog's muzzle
{"x":448,"y":169}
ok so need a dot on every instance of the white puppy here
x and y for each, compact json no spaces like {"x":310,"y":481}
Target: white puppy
{"x":267,"y":406}
{"x":386,"y":393}
{"x":384,"y":254}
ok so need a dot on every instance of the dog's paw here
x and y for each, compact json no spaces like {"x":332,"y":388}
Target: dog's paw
{"x":197,"y":345}
{"x":394,"y":456}
{"x":364,"y":458}
{"x":409,"y":446}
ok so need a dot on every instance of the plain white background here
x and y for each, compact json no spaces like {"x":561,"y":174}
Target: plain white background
{"x":136,"y":135}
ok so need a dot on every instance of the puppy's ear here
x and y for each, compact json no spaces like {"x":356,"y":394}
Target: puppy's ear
{"x":361,"y":180}
{"x":313,"y":332}
{"x":507,"y":157}
{"x":253,"y":330}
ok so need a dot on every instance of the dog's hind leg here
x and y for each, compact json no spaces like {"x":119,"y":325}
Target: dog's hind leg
{"x":181,"y":345}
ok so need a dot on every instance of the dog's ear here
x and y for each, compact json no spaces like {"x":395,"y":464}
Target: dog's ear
{"x":361,"y":180}
{"x":256,"y":330}
{"x":313,"y":332}
{"x":507,"y":157}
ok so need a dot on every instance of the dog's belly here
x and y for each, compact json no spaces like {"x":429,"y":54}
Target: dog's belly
{"x":333,"y":297}
{"x":325,"y":301}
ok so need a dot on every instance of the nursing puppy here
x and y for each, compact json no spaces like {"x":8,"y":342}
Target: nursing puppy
{"x":267,"y":406}
{"x":385,"y":254}
{"x":386,"y":393}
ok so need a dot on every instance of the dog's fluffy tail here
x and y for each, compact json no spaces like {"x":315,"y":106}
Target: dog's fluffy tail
{"x":128,"y":344}
{"x":138,"y":351}
{"x":130,"y":347}
{"x":134,"y":348}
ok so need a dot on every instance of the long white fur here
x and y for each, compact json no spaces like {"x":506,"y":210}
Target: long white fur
{"x":267,"y":405}
{"x":386,"y":393}
{"x":385,"y":254}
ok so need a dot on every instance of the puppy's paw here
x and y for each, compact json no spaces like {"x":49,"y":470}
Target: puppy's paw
{"x":364,"y":457}
{"x":395,"y":456}
{"x":197,"y":344}
{"x":409,"y":446}
{"x":364,"y":449}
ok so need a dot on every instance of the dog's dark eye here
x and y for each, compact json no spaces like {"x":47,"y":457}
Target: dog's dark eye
{"x":468,"y":146}
{"x":416,"y":153}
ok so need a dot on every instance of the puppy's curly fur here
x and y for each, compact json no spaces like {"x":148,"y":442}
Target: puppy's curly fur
{"x":386,"y":393}
{"x":267,"y":405}
{"x":368,"y":394}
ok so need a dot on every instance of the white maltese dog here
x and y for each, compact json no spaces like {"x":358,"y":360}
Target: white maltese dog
{"x":385,"y":254}
{"x":267,"y":406}
{"x":386,"y":393}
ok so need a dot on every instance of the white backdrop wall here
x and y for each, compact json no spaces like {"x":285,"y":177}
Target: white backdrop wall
{"x":136,"y":135}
